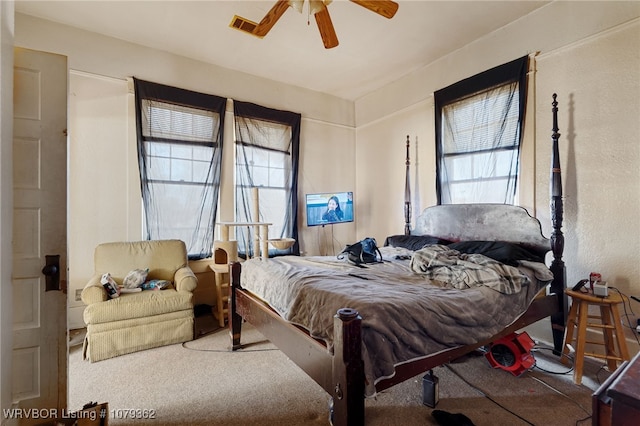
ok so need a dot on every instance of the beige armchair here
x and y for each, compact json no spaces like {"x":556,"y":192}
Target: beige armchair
{"x":147,"y":319}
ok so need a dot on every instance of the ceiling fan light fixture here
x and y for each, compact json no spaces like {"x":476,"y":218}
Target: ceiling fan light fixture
{"x":296,"y":5}
{"x":316,"y":6}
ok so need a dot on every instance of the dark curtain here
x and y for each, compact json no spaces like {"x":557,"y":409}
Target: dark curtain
{"x":180,"y":135}
{"x":479,"y":123}
{"x":267,"y":152}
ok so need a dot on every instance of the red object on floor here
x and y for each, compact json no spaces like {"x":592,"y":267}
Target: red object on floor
{"x":512,"y":353}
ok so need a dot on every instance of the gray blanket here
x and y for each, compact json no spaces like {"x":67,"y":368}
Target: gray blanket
{"x":406,"y":315}
{"x":459,"y":270}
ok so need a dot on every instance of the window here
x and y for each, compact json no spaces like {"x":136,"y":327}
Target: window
{"x":179,"y":153}
{"x":267,"y":146}
{"x":479,"y":125}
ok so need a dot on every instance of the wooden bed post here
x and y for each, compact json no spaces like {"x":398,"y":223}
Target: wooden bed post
{"x":407,"y":195}
{"x":348,"y":369}
{"x":558,"y":320}
{"x":235,"y":320}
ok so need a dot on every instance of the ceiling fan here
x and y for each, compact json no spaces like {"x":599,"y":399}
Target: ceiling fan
{"x":317,"y":8}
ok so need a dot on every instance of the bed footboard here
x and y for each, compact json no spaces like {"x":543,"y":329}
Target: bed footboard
{"x":339,"y":372}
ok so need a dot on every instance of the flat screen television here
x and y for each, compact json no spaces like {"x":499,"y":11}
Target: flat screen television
{"x":329,"y":208}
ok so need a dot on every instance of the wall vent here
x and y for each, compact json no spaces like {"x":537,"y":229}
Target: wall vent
{"x":244,"y":25}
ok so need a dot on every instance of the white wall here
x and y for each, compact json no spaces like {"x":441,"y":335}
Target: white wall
{"x":380,"y":165}
{"x":599,"y":118}
{"x":104,"y":185}
{"x":589,"y":56}
{"x":326,"y":165}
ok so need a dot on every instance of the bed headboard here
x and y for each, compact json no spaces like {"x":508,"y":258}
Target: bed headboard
{"x":482,"y":222}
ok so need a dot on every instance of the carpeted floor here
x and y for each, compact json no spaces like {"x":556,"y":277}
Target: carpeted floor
{"x":202,"y":383}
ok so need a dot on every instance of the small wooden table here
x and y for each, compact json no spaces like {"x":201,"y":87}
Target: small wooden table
{"x":609,"y":323}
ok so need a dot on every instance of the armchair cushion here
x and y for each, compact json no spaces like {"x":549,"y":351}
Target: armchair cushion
{"x":138,"y":305}
{"x":163,"y":258}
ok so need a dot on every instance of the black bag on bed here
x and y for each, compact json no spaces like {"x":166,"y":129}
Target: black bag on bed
{"x":364,"y":251}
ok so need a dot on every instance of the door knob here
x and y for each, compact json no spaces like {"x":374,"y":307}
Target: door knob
{"x":51,"y":272}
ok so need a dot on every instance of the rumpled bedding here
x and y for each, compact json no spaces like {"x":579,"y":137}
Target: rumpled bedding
{"x":459,"y":270}
{"x":406,"y":315}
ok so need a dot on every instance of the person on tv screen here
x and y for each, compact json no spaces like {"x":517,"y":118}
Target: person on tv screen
{"x":333,"y":212}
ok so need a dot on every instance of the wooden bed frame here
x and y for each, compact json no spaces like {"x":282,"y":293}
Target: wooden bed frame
{"x":340,"y":372}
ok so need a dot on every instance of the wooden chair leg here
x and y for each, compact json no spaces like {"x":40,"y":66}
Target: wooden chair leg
{"x":607,"y":334}
{"x":219,"y":299}
{"x":622,"y":343}
{"x":568,"y":334}
{"x":580,"y":341}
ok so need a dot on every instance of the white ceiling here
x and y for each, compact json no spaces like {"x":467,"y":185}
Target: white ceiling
{"x":373,"y":50}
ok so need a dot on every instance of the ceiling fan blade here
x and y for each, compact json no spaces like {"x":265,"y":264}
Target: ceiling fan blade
{"x":270,"y":19}
{"x":325,"y":26}
{"x":386,"y":8}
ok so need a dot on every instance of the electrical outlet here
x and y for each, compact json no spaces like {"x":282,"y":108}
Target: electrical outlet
{"x":78,"y":294}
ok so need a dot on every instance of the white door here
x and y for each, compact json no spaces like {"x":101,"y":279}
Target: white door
{"x":39,"y":232}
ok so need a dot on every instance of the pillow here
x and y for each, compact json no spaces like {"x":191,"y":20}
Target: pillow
{"x":502,"y":251}
{"x":135,"y":278}
{"x":413,"y":242}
